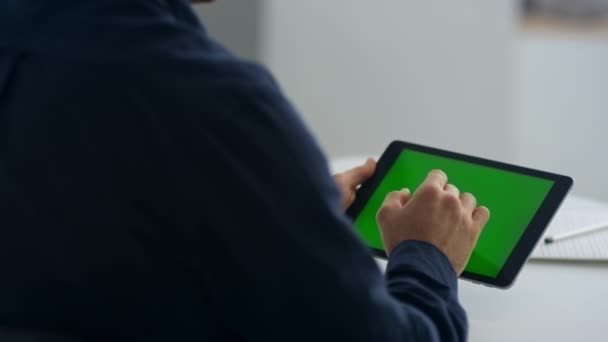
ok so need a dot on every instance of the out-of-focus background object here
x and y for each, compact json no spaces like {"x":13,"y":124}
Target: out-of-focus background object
{"x":581,"y":10}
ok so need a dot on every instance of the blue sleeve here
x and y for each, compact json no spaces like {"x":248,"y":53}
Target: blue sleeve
{"x":422,"y":279}
{"x":264,"y":234}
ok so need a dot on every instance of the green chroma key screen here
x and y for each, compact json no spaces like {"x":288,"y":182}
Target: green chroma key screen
{"x":512,"y":198}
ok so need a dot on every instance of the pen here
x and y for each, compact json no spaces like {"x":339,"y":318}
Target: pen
{"x":582,"y":231}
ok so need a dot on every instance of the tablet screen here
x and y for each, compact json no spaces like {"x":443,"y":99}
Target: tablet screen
{"x":513,"y":199}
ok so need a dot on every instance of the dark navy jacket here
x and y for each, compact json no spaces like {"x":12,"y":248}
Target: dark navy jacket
{"x":153,"y":187}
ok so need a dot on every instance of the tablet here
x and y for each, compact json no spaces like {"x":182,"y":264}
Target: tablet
{"x":522,"y":202}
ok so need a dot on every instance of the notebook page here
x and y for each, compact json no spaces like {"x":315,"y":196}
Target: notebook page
{"x":577,"y":213}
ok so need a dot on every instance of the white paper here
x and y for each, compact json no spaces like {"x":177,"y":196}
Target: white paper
{"x":577,"y":213}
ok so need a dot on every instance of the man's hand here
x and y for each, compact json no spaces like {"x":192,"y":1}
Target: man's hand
{"x":438,"y":214}
{"x":348,"y":181}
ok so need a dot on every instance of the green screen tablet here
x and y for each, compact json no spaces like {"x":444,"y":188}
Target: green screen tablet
{"x":522,"y":202}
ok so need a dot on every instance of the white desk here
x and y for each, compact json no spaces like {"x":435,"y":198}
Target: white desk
{"x":550,"y":301}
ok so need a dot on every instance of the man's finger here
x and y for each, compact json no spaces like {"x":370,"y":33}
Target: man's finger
{"x":468,"y":201}
{"x":398,"y":198}
{"x":393,"y":202}
{"x":356,"y":176}
{"x":437,"y":178}
{"x":452,"y":189}
{"x":481,"y":215}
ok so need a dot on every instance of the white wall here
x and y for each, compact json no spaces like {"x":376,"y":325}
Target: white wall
{"x":564,"y":108}
{"x":236,"y":24}
{"x":456,"y":75}
{"x":364,"y":72}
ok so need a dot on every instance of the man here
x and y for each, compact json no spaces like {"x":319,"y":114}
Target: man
{"x":157,"y":188}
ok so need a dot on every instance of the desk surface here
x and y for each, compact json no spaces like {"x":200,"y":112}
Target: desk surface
{"x":550,"y":301}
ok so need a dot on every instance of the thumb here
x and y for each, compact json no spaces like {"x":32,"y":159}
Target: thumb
{"x":356,"y":176}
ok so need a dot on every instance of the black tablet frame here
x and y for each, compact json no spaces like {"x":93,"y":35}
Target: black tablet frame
{"x":529,"y":238}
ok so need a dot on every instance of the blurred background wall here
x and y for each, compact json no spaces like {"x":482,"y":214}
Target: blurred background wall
{"x":235,"y":23}
{"x":563,"y":107}
{"x":474,"y":76}
{"x":364,"y":73}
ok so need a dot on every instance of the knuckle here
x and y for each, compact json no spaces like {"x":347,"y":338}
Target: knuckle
{"x":438,"y":172}
{"x":451,"y":201}
{"x":430,"y":191}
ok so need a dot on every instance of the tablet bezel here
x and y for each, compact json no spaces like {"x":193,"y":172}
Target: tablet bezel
{"x":529,"y":238}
